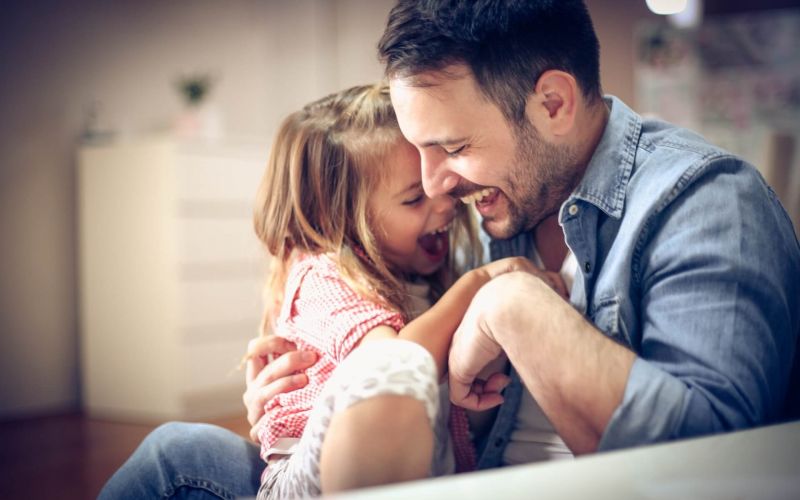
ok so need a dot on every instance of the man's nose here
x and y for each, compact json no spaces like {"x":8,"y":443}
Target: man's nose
{"x":437,"y":178}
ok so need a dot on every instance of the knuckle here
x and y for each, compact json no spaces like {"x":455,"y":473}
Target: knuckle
{"x":282,"y":385}
{"x":253,"y":344}
{"x":270,"y":373}
{"x":294,"y":359}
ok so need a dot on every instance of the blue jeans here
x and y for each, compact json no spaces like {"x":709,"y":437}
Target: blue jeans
{"x":181,"y":460}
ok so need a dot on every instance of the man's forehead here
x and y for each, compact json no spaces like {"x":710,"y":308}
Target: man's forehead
{"x":435,"y":82}
{"x":434,"y":77}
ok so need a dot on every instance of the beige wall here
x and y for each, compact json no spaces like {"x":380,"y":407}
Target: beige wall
{"x":614,"y":22}
{"x":58,"y":57}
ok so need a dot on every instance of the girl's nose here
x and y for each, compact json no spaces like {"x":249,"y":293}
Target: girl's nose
{"x":443,"y":203}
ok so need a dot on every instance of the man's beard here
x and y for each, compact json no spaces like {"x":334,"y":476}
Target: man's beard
{"x":541,"y":177}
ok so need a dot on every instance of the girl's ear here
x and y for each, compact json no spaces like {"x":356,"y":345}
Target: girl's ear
{"x":553,"y":104}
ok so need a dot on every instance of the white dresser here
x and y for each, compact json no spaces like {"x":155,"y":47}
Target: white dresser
{"x":171,"y":274}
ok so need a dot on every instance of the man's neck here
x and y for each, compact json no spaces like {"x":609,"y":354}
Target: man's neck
{"x":550,"y":245}
{"x":589,"y":136}
{"x":548,"y":236}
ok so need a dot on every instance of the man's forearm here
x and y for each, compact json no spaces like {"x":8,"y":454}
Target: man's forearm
{"x":575,"y":373}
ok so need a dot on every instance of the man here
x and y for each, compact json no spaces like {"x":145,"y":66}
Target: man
{"x":685,"y":307}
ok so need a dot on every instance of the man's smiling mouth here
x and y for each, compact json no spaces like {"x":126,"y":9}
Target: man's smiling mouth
{"x":481,"y":196}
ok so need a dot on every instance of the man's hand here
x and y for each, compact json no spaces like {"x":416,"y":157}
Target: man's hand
{"x":266,"y":379}
{"x":472,"y":348}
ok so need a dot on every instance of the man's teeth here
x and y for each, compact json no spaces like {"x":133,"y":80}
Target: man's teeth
{"x":477,"y":196}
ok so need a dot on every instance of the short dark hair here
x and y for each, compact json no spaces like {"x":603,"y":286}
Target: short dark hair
{"x":507,"y":44}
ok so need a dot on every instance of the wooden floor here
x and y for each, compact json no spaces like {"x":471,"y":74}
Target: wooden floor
{"x":69,"y":457}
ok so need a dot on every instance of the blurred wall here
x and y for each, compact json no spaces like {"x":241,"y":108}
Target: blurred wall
{"x":614,"y":22}
{"x":59,"y":57}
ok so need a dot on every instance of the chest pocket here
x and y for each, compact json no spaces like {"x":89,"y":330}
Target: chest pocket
{"x":607,"y":318}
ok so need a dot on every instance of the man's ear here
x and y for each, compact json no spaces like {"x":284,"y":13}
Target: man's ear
{"x":553,"y":105}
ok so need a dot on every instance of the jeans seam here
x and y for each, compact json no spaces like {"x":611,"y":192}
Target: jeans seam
{"x":213,"y":488}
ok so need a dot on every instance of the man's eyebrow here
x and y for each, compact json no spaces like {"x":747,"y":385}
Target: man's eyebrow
{"x":447,"y":141}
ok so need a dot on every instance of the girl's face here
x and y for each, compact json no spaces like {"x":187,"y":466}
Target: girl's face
{"x":412,"y":230}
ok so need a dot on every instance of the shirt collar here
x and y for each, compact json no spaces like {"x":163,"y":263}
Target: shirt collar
{"x":606,"y":178}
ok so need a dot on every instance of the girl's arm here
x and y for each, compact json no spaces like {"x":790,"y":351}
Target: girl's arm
{"x":434,"y":328}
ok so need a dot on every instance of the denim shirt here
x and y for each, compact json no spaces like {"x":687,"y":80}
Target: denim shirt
{"x":687,"y":258}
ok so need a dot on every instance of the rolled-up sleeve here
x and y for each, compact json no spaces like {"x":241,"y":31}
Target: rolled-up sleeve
{"x":718,"y":280}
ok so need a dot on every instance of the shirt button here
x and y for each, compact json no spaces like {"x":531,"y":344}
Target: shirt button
{"x":498,"y":442}
{"x":587,"y":266}
{"x":573,"y":209}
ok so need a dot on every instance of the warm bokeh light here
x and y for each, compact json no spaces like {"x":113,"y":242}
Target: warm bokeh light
{"x":667,"y":7}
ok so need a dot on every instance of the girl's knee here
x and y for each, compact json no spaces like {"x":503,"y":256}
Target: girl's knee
{"x":384,"y":439}
{"x":387,"y":414}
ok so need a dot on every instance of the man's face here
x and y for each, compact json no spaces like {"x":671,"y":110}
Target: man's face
{"x":470,"y":151}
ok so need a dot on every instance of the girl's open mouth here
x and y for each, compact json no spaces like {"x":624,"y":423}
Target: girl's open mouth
{"x":436,"y":243}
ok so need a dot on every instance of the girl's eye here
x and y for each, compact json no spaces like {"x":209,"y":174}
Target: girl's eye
{"x":455,"y":152}
{"x":414,"y":201}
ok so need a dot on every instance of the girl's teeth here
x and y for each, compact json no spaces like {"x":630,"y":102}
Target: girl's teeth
{"x":442,"y":229}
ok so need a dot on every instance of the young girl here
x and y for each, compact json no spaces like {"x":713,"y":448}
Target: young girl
{"x":358,"y":251}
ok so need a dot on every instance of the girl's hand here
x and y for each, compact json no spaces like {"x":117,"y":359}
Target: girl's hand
{"x":507,"y":265}
{"x":510,"y":264}
{"x":266,"y":379}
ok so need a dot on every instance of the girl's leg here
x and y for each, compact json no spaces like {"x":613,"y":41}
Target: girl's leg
{"x":391,"y":387}
{"x":385,"y":403}
{"x":180,"y":460}
{"x":381,"y":440}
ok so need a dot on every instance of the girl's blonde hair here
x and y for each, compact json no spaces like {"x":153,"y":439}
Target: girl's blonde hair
{"x":325,"y":161}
